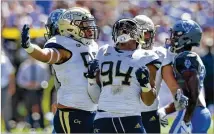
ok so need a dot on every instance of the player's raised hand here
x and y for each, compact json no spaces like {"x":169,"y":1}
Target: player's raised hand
{"x":180,"y":100}
{"x":25,"y":36}
{"x":93,"y":67}
{"x":142,"y":75}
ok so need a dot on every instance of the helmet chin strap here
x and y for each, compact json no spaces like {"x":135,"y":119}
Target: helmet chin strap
{"x":176,"y":49}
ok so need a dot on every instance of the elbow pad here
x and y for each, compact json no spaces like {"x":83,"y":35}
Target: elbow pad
{"x":93,"y":90}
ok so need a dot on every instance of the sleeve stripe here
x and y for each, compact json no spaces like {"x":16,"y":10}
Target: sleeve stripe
{"x":51,"y":50}
{"x":54,"y":45}
{"x":58,"y":54}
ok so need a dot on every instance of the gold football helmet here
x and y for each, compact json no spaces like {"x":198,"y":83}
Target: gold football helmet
{"x":79,"y":24}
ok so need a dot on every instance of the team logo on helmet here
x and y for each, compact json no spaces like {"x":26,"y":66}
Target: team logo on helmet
{"x":187,"y":26}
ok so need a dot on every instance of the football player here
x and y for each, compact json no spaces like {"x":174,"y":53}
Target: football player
{"x":149,"y":114}
{"x":124,"y":81}
{"x":69,"y":53}
{"x":189,"y":73}
{"x":51,"y":30}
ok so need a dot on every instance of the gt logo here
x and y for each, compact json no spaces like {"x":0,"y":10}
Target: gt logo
{"x":76,"y":121}
{"x":96,"y":130}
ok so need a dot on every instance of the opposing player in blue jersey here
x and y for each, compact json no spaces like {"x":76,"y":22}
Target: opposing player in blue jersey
{"x":189,"y":72}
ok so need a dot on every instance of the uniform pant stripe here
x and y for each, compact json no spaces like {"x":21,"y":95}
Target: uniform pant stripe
{"x":61,"y":120}
{"x":122,"y":125}
{"x":178,"y":126}
{"x":66,"y":117}
{"x":114,"y":125}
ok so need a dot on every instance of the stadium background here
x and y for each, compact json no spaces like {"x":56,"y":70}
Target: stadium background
{"x":15,"y":13}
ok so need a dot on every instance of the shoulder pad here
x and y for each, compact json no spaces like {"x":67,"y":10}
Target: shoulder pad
{"x":102,"y":50}
{"x":168,"y":59}
{"x":160,"y":51}
{"x":188,"y":61}
{"x":54,"y":42}
{"x":146,"y":57}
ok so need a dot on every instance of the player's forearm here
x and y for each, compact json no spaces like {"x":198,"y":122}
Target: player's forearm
{"x":169,"y":78}
{"x":48,"y":55}
{"x":189,"y":111}
{"x":98,"y":79}
{"x":94,"y":89}
{"x":170,"y":108}
{"x":149,"y":97}
{"x":193,"y":86}
{"x":40,"y":54}
{"x":152,"y":74}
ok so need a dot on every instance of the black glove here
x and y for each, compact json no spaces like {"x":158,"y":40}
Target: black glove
{"x":93,"y":67}
{"x":25,"y":39}
{"x":142,"y":75}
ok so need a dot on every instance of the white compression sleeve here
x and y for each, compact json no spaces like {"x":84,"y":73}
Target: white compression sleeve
{"x":93,"y":90}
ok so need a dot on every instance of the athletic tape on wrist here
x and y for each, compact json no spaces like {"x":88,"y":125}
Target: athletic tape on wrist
{"x":147,"y":88}
{"x":30,"y":49}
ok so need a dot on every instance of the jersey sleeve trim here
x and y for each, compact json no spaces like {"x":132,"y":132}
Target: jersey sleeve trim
{"x":167,"y":64}
{"x":57,"y":46}
{"x":156,"y":63}
{"x":54,"y":45}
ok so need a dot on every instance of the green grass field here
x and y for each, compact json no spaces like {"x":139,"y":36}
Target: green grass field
{"x":166,"y":129}
{"x":46,"y":107}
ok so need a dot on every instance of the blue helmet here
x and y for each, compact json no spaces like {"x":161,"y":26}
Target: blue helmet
{"x":52,"y":25}
{"x":185,"y":33}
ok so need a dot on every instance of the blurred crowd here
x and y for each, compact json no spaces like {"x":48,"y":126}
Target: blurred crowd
{"x":26,"y":79}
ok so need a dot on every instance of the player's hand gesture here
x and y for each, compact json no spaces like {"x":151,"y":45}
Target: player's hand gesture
{"x":162,"y":117}
{"x":180,"y":100}
{"x":93,"y":67}
{"x":142,"y":75}
{"x":25,"y":36}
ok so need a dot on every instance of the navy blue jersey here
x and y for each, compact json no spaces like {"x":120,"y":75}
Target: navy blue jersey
{"x":188,"y":61}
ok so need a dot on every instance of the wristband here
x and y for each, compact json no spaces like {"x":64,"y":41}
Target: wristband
{"x":92,"y":81}
{"x":147,"y":88}
{"x":30,"y":49}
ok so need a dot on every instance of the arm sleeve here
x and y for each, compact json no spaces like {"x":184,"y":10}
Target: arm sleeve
{"x":93,"y":90}
{"x":53,"y":45}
